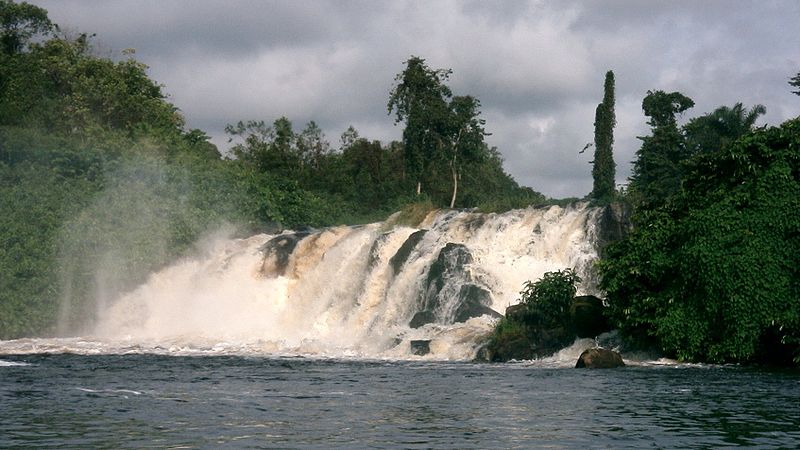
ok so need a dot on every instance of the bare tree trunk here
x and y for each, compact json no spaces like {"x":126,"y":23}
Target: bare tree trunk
{"x":455,"y":185}
{"x":419,"y":187}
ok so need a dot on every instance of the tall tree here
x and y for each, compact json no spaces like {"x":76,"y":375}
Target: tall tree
{"x":603,"y":170}
{"x":420,"y":99}
{"x":443,"y":132}
{"x":464,"y":138}
{"x":657,"y":171}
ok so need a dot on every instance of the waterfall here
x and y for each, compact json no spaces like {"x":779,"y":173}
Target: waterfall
{"x":363,"y":291}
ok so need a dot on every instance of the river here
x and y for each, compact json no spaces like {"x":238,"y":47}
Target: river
{"x":206,"y":401}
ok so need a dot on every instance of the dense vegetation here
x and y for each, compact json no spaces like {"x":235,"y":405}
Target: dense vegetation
{"x":101,"y":183}
{"x":710,"y":271}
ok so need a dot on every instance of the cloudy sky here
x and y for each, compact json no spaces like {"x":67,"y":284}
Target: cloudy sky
{"x":536,"y":66}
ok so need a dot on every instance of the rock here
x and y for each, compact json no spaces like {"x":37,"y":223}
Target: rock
{"x":422,"y":318}
{"x":588,"y":320}
{"x":448,"y":281}
{"x":399,"y":259}
{"x":614,"y":224}
{"x":277,"y":252}
{"x":599,"y":358}
{"x":472,"y":303}
{"x":420,"y":347}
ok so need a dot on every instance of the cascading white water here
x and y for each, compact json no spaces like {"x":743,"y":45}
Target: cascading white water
{"x":353,"y":291}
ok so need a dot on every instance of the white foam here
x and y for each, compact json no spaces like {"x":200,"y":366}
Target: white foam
{"x":12,"y":363}
{"x":340,"y":296}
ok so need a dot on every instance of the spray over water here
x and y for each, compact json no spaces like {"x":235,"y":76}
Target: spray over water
{"x":363,"y":291}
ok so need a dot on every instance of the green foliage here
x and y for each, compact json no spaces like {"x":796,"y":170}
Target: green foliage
{"x":443,"y":134}
{"x":551,"y":295}
{"x":712,"y":275}
{"x":657,"y":169}
{"x":19,"y":22}
{"x":711,"y":132}
{"x":604,"y":168}
{"x":795,"y":81}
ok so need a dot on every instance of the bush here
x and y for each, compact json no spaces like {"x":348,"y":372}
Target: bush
{"x":550,"y":297}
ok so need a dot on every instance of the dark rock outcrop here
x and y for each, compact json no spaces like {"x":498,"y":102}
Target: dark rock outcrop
{"x":278,"y":250}
{"x":399,"y":259}
{"x":599,"y":358}
{"x":588,"y":320}
{"x":447,"y":277}
{"x":614,"y":224}
{"x":421,"y":318}
{"x":420,"y":347}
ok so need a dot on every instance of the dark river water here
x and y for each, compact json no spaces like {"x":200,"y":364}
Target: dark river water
{"x":232,"y":401}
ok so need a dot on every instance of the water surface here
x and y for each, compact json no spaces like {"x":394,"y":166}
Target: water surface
{"x":66,"y":400}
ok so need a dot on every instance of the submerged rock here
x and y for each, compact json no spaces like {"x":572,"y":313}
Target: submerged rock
{"x":599,"y":358}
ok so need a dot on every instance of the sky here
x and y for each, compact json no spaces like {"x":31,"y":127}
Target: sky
{"x":536,"y":66}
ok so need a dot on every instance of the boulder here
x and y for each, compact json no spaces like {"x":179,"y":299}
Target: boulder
{"x":599,"y":358}
{"x":588,"y":320}
{"x":420,"y":347}
{"x":472,"y":303}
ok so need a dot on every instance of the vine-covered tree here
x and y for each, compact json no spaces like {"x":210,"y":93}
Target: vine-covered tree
{"x":656,"y":171}
{"x":603,"y":170}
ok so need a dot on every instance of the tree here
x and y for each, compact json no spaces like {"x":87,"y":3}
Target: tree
{"x":657,"y":171}
{"x":713,"y":131}
{"x":19,"y":22}
{"x":420,"y":99}
{"x":463,"y":138}
{"x":312,"y":146}
{"x":795,"y":81}
{"x":713,"y":274}
{"x":442,"y":133}
{"x":604,"y":168}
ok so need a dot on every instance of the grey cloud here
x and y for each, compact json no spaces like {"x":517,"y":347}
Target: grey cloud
{"x":536,"y":66}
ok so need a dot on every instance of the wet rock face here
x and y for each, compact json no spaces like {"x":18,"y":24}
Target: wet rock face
{"x":277,"y":252}
{"x":588,"y":320}
{"x":420,"y":347}
{"x":599,"y":358}
{"x":399,"y":259}
{"x":614,"y":224}
{"x":447,"y":278}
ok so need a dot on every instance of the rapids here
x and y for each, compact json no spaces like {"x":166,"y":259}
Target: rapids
{"x":350,"y":291}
